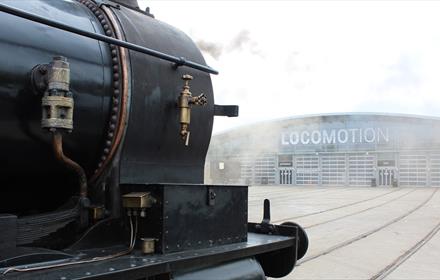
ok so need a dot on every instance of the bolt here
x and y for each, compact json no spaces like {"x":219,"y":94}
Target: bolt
{"x":42,"y":70}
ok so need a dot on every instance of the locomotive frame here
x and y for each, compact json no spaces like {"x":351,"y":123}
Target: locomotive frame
{"x":139,"y":213}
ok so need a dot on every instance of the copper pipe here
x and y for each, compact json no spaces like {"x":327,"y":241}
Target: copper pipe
{"x":120,"y":128}
{"x":57,"y":141}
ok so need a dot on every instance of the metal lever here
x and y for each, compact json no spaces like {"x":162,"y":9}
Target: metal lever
{"x":185,"y":102}
{"x":266,"y":212}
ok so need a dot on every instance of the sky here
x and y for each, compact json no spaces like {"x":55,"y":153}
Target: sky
{"x":286,"y":58}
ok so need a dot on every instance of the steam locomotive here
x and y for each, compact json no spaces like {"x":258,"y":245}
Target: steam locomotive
{"x":102,"y":147}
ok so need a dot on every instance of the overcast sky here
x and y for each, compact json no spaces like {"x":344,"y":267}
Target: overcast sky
{"x":285,"y":58}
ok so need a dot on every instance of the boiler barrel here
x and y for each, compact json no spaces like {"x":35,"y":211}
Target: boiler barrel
{"x":152,"y":150}
{"x":27,"y":160}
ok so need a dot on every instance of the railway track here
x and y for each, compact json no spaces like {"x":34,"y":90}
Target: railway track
{"x":270,"y":191}
{"x":406,"y":255}
{"x":333,"y":208}
{"x":360,"y":211}
{"x":366,"y":234}
{"x":256,"y":198}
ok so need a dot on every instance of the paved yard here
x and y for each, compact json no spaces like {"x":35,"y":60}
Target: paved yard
{"x":359,"y":233}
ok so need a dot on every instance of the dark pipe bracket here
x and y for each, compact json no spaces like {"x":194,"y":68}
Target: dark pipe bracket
{"x":226,"y":110}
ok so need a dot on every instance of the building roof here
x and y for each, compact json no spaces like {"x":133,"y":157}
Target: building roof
{"x":323,"y":117}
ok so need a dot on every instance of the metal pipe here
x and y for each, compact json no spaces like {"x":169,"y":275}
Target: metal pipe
{"x":57,"y":141}
{"x":179,"y":61}
{"x":120,"y":128}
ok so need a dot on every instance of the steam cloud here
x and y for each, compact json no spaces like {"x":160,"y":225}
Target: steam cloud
{"x":241,"y":41}
{"x":215,"y":50}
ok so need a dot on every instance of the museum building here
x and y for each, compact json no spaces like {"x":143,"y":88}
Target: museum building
{"x":360,"y":149}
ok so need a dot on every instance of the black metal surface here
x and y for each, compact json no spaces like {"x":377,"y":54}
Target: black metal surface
{"x":28,"y":256}
{"x":137,"y":266}
{"x":303,"y":239}
{"x":128,"y":3}
{"x":226,"y":110}
{"x":184,"y":218}
{"x":8,"y":231}
{"x":277,"y":263}
{"x":211,"y":195}
{"x":98,"y":236}
{"x":117,"y":105}
{"x":34,"y":227}
{"x":28,"y":165}
{"x":245,"y":269}
{"x":179,"y":61}
{"x":266,"y":211}
{"x":196,"y":226}
{"x":153,"y":151}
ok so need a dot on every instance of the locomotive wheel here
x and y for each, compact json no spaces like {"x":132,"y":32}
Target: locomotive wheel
{"x":303,"y":240}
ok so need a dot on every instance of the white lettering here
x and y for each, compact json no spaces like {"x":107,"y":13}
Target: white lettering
{"x":294,"y":138}
{"x":334,"y":136}
{"x":342,"y":139}
{"x":353,"y":134}
{"x":316,"y":137}
{"x":283,"y":139}
{"x":305,"y":140}
{"x":329,"y":139}
{"x":372,"y":134}
{"x":385,"y":136}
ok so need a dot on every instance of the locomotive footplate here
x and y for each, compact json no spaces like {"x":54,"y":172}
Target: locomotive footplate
{"x":138,"y":266}
{"x":188,"y":216}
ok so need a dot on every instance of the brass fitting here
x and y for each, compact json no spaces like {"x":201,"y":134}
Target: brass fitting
{"x":57,"y":102}
{"x":185,"y":101}
{"x":136,"y":203}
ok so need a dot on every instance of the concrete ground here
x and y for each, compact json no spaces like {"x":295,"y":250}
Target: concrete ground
{"x":359,"y":233}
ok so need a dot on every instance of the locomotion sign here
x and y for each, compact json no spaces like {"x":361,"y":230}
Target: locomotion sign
{"x":336,"y":136}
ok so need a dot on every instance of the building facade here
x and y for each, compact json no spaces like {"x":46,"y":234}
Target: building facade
{"x":336,"y":149}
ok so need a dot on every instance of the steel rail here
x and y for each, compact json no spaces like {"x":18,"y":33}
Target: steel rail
{"x":366,"y":234}
{"x":178,"y":61}
{"x":405,"y":256}
{"x":359,"y":212}
{"x":281,"y":198}
{"x":333,"y":208}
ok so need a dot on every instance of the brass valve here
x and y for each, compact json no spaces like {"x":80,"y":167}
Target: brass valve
{"x":185,"y":101}
{"x":57,"y":102}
